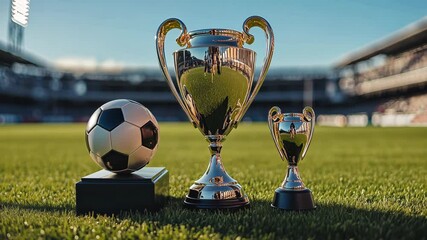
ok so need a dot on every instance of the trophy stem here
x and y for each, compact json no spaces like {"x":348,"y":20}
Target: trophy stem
{"x":293,"y":180}
{"x":216,"y":189}
{"x":215,"y":173}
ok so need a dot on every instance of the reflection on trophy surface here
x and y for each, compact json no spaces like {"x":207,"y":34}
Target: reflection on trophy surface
{"x":215,"y":86}
{"x":292,"y":134}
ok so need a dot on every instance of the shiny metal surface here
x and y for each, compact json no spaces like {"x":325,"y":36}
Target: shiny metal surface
{"x":292,"y":134}
{"x":215,"y":86}
{"x":214,"y":83}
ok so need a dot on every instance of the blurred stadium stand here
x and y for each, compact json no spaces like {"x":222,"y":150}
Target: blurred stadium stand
{"x":34,"y":92}
{"x":389,"y":77}
{"x":390,"y":74}
{"x":396,"y":62}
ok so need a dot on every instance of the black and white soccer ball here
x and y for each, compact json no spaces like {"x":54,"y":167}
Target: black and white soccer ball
{"x":122,"y":136}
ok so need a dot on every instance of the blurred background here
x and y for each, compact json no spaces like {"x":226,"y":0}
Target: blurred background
{"x":358,"y":63}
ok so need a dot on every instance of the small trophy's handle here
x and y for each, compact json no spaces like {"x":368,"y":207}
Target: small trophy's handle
{"x":275,"y":115}
{"x":257,"y":21}
{"x":182,"y":40}
{"x":309,"y":116}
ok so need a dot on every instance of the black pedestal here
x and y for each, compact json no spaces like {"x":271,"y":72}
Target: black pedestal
{"x":104,"y":192}
{"x":293,"y":200}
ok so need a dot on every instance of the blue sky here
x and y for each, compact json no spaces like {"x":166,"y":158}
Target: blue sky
{"x":307,"y":33}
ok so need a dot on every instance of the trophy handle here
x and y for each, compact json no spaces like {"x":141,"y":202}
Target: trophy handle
{"x":275,"y":115}
{"x":182,"y":40}
{"x":257,"y":21}
{"x":309,"y":116}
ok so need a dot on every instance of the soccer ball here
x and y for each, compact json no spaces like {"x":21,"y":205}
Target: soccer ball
{"x":122,"y":136}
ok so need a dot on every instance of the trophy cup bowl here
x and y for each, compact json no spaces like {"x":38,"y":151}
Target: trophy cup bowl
{"x":214,"y":87}
{"x":292,"y":134}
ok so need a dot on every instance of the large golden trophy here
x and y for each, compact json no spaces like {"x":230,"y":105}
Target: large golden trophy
{"x":292,"y":134}
{"x":215,"y":87}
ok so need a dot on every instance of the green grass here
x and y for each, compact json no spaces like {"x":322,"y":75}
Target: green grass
{"x":367,"y":183}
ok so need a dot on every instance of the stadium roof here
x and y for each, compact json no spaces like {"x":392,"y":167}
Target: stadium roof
{"x":8,"y":57}
{"x":409,"y":37}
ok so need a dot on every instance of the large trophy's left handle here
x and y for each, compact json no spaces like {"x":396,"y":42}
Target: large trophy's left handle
{"x":182,"y":40}
{"x":309,"y":116}
{"x":257,"y":21}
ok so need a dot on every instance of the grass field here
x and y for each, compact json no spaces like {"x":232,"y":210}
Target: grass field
{"x":367,"y":183}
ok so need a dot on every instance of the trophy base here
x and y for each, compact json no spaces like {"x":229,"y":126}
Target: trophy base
{"x":293,"y":200}
{"x":104,"y":192}
{"x":216,"y":204}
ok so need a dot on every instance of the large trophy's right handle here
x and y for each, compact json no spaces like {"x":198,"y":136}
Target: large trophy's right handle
{"x":257,"y":21}
{"x":309,"y":116}
{"x":182,"y":40}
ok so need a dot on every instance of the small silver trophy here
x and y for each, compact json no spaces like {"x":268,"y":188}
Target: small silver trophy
{"x":292,"y":134}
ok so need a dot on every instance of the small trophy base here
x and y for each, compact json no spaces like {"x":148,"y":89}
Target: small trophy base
{"x":194,"y":203}
{"x":293,"y":200}
{"x":104,"y":192}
